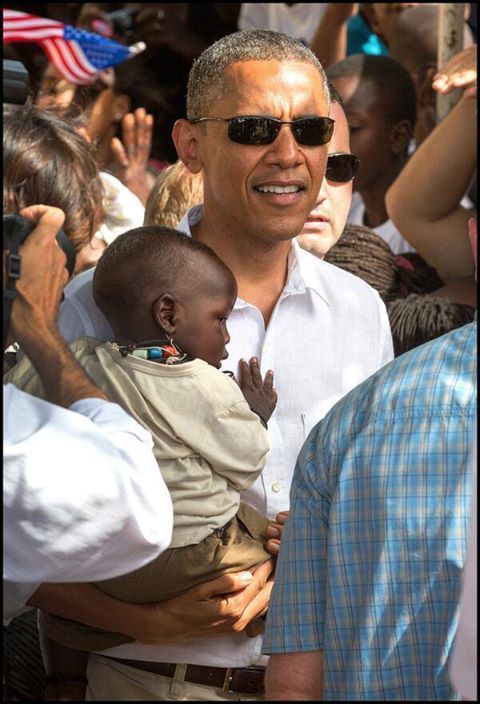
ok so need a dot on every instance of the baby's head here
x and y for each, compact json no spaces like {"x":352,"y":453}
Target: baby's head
{"x":154,"y":282}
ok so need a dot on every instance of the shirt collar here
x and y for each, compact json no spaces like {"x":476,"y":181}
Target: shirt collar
{"x":303,"y":267}
{"x":304,"y":272}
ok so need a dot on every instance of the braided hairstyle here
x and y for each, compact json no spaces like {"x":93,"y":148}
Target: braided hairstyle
{"x":403,"y":282}
{"x":419,"y":318}
{"x":365,"y":254}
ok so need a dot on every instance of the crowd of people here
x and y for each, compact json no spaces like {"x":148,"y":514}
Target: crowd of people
{"x":239,"y":453}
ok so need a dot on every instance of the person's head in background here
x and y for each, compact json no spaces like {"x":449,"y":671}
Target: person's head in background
{"x":414,"y":44}
{"x":186,"y":292}
{"x":104,"y":103}
{"x":46,"y":161}
{"x":380,"y":105}
{"x":175,"y":191}
{"x":383,"y":17}
{"x":326,"y":221}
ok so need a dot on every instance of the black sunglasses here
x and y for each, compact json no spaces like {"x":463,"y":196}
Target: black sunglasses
{"x":257,"y":130}
{"x":341,"y":168}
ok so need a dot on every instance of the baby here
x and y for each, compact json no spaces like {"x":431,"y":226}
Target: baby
{"x":167,"y":298}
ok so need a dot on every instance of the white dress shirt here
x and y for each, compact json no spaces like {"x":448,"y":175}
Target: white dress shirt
{"x":83,"y":497}
{"x":387,"y":230}
{"x":328,"y":332}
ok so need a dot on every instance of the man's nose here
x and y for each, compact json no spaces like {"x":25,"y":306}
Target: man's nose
{"x":285,"y":150}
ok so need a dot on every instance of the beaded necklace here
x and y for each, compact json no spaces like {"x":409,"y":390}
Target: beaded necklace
{"x":155,"y":351}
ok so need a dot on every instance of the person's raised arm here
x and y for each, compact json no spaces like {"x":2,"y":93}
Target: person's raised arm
{"x":424,"y":201}
{"x":330,"y":40}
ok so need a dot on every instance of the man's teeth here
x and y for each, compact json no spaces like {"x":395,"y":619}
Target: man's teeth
{"x":278,"y":189}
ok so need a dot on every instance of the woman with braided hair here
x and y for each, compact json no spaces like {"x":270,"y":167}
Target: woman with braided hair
{"x":417,"y":307}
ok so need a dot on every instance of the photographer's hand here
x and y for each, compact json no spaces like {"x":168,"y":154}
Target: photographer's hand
{"x":43,"y":274}
{"x":39,"y":288}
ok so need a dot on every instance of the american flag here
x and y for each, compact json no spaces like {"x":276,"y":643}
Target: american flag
{"x":76,"y":54}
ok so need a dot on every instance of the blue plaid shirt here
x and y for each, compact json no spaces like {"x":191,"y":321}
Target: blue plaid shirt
{"x":370,"y":565}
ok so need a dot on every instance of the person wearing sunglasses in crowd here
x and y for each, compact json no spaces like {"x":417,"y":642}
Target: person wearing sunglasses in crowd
{"x":258,"y":128}
{"x":325,"y":223}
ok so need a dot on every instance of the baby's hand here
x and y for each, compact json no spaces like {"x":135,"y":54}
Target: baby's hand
{"x":259,"y":394}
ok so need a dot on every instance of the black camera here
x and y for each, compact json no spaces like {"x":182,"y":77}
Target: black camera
{"x":16,"y":82}
{"x":16,"y":229}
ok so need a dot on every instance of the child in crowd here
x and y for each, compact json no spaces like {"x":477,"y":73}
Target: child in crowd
{"x":167,"y":298}
{"x":175,"y":191}
{"x":380,"y":104}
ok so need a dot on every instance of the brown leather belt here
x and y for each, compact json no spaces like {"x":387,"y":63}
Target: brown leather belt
{"x":241,"y":680}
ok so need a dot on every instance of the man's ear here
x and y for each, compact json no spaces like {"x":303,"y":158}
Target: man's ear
{"x":185,"y":137}
{"x":165,"y":313}
{"x":400,"y":136}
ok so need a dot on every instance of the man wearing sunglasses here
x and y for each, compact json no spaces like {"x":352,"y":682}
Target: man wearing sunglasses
{"x":257,"y":128}
{"x":326,"y":221}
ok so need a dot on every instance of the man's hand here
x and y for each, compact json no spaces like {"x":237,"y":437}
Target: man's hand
{"x":131,"y":156}
{"x":259,"y":394}
{"x":43,"y":275}
{"x":459,"y":72}
{"x":274,"y":533}
{"x":224,"y":605}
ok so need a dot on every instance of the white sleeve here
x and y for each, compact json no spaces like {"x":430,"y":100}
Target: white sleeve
{"x":79,"y":315}
{"x":84,"y":499}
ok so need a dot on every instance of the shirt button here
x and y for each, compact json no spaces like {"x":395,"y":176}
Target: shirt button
{"x":277,"y":486}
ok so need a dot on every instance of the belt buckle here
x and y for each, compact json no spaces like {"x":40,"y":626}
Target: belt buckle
{"x":228,"y":680}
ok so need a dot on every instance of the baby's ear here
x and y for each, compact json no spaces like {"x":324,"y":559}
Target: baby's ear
{"x":164,"y":313}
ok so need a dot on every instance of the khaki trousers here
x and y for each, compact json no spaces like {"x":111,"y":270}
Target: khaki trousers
{"x":237,"y":546}
{"x":114,"y":681}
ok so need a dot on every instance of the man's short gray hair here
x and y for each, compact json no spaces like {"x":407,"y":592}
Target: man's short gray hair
{"x":206,"y":83}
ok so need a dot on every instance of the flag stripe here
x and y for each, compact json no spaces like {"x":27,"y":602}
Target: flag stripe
{"x":31,"y":35}
{"x":70,"y":59}
{"x":64,"y":65}
{"x":81,"y":58}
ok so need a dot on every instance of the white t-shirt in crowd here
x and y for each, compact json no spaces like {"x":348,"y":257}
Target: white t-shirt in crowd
{"x":123,"y":209}
{"x":328,"y":332}
{"x":300,"y":20}
{"x":83,"y":497}
{"x":387,"y":230}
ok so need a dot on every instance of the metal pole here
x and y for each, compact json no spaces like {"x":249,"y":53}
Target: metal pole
{"x":451,"y":20}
